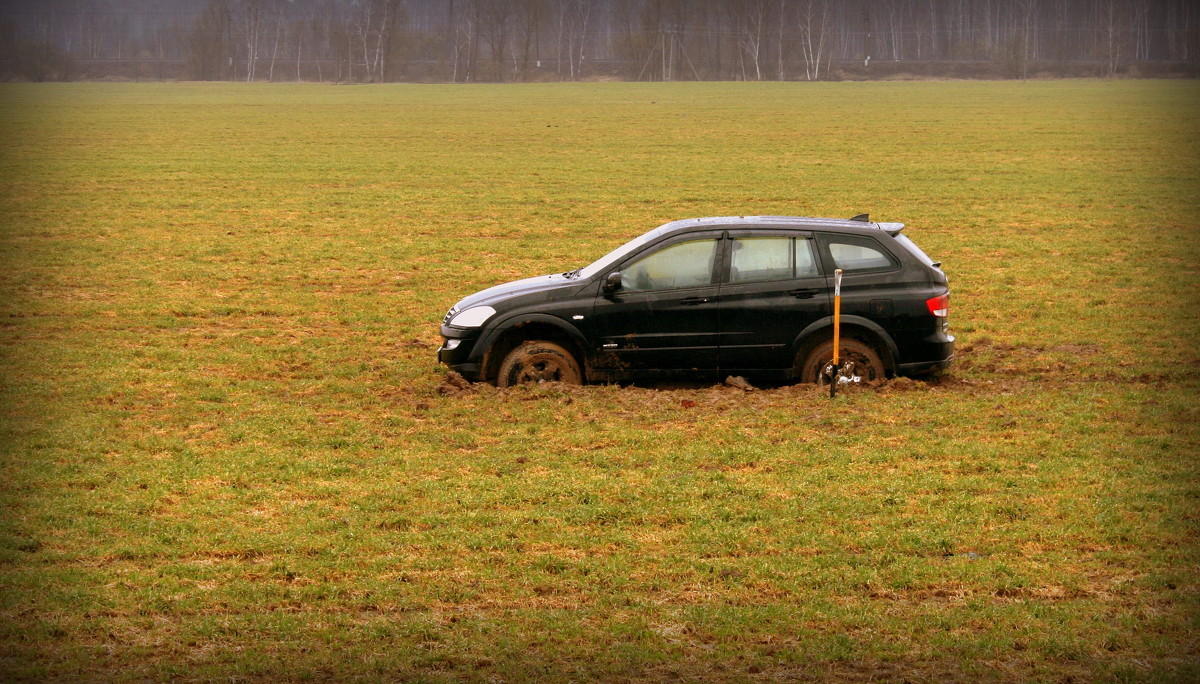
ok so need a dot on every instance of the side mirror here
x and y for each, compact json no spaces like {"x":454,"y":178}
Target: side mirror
{"x":612,"y":282}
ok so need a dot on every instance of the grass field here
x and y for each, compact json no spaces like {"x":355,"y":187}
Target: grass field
{"x":225,"y":454}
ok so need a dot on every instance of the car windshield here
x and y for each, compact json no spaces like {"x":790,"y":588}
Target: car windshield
{"x":612,"y":258}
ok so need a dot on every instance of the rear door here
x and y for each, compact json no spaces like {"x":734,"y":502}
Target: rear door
{"x":664,"y":316}
{"x":773,"y":290}
{"x":874,"y":285}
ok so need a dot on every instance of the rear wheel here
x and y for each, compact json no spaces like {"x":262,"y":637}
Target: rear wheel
{"x":539,"y":361}
{"x":867,"y":364}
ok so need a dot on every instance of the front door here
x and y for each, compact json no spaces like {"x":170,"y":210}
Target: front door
{"x":664,"y":314}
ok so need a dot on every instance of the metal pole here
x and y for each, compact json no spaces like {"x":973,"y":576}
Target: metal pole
{"x":837,"y":331}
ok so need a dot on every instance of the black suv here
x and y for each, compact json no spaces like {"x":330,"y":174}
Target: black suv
{"x":744,"y":295}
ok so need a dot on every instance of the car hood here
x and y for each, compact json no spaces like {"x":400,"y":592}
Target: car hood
{"x":516,"y":288}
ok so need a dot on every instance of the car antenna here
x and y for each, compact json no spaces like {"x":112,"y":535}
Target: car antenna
{"x":865,"y":218}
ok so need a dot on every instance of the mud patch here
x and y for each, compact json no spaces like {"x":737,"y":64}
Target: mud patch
{"x":983,"y":366}
{"x":563,"y":392}
{"x":454,"y":384}
{"x":1076,"y":349}
{"x":988,"y":356}
{"x":901,"y":384}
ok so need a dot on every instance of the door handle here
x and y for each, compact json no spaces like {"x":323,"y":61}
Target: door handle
{"x":692,"y":301}
{"x":804,"y":293}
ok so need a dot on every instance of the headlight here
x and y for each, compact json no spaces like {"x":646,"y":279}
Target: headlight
{"x":473,"y":317}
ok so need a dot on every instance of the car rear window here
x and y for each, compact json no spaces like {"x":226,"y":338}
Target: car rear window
{"x":857,"y":254}
{"x":914,"y":250}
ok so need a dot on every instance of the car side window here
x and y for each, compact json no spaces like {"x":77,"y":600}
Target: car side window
{"x":858,"y":255}
{"x":771,"y":258}
{"x":806,"y":263}
{"x":760,"y":258}
{"x":687,"y":264}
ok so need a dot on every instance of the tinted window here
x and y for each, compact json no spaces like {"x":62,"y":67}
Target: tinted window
{"x":687,"y":264}
{"x":771,"y":258}
{"x":859,"y":255}
{"x":806,"y":263}
{"x":914,"y":249}
{"x":762,"y":258}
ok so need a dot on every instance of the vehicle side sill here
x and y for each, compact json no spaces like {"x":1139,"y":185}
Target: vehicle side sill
{"x":924,"y":367}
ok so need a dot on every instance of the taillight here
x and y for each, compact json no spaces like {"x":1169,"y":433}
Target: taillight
{"x":939,"y":305}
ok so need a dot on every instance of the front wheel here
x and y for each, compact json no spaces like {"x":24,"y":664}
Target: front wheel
{"x":539,"y":361}
{"x":867,"y":364}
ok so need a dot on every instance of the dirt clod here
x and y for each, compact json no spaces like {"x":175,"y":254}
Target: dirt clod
{"x":454,"y":384}
{"x":739,"y":382}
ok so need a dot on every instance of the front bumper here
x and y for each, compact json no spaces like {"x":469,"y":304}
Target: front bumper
{"x":457,"y":352}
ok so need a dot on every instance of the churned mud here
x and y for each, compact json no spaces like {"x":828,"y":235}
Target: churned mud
{"x":981,"y":366}
{"x":688,"y":394}
{"x":454,"y":384}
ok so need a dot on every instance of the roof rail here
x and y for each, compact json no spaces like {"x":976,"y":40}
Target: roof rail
{"x":865,"y":218}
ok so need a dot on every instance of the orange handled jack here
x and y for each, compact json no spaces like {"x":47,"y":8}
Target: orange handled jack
{"x":835,"y":375}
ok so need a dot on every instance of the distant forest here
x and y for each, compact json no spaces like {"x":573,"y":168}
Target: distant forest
{"x":371,"y":41}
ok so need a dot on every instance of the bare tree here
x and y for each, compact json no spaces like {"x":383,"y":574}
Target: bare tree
{"x":781,"y":23}
{"x":571,"y":19}
{"x":466,"y":22}
{"x":749,"y":22}
{"x":298,"y":31}
{"x":1112,"y":27}
{"x":529,"y":25}
{"x":1182,"y":21}
{"x":496,"y":30}
{"x":251,"y":18}
{"x":814,"y":33}
{"x":210,"y":43}
{"x":472,"y":40}
{"x":277,"y":19}
{"x":1139,"y":16}
{"x":363,"y":20}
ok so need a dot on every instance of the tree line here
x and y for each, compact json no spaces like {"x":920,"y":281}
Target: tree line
{"x":372,"y":41}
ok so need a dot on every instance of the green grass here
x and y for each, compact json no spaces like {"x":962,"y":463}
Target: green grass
{"x":225,"y":453}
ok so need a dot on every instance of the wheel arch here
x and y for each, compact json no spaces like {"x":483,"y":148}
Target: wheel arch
{"x":854,"y":327}
{"x":510,"y":334}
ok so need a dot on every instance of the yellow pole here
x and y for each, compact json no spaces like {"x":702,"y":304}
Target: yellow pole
{"x":837,"y":329}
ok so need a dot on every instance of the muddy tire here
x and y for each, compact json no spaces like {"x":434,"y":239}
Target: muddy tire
{"x":867,"y":364}
{"x":539,"y":361}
